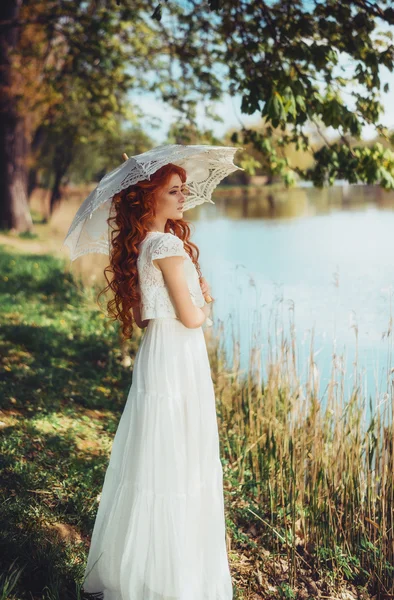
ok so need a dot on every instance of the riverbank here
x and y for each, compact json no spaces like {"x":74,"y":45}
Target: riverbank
{"x":308,"y":496}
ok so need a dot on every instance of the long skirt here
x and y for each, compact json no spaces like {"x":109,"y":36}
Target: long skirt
{"x":159,"y":532}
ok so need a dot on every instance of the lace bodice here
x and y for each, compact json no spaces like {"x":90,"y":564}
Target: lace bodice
{"x":155,"y":298}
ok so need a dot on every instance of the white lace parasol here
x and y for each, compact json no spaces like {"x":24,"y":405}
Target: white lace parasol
{"x":205,"y":166}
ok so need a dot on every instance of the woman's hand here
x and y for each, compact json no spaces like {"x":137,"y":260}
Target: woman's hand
{"x":204,"y":286}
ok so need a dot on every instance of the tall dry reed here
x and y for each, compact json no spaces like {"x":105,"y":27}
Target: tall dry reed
{"x":320,"y":470}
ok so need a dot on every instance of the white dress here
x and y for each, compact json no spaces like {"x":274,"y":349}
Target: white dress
{"x":159,"y":532}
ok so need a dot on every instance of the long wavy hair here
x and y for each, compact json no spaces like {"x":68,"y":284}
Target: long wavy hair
{"x":132,"y":212}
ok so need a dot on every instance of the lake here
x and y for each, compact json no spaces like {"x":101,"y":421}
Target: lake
{"x":329,"y":266}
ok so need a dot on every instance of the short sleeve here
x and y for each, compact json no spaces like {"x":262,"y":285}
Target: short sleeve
{"x":168,"y":245}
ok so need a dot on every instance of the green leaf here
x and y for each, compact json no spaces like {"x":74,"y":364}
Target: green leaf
{"x":157,"y":13}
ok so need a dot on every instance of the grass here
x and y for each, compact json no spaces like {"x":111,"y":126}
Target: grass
{"x":308,"y":493}
{"x":63,"y":389}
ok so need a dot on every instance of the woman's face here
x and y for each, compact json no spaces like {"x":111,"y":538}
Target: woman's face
{"x":170,"y":199}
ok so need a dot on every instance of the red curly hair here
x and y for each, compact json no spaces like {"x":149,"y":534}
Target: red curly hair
{"x":133,"y":211}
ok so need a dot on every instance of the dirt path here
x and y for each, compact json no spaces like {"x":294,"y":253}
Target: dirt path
{"x":30,"y":246}
{"x":50,"y":245}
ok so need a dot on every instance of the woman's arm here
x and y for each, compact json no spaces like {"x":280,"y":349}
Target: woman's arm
{"x":191,"y":316}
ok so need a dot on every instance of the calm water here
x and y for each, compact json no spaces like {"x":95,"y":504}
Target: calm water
{"x":334,"y":266}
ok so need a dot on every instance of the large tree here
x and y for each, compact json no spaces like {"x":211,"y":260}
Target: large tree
{"x":66,"y":70}
{"x":67,"y":73}
{"x":14,"y":211}
{"x":302,"y":65}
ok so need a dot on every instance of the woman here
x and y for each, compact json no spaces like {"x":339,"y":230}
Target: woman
{"x":159,"y":532}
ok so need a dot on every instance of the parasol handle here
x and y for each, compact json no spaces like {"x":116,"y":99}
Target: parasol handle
{"x":208,"y":299}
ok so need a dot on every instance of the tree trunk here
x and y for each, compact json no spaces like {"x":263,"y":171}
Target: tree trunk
{"x":56,"y":193}
{"x":14,"y":207}
{"x":32,"y":181}
{"x":37,"y":140}
{"x":61,"y":164}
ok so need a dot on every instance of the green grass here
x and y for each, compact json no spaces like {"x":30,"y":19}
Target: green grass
{"x":63,"y":388}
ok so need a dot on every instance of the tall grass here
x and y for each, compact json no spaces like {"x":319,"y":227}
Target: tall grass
{"x":319,"y":471}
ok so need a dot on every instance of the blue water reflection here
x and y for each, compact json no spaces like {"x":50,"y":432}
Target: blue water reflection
{"x":333,"y":272}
